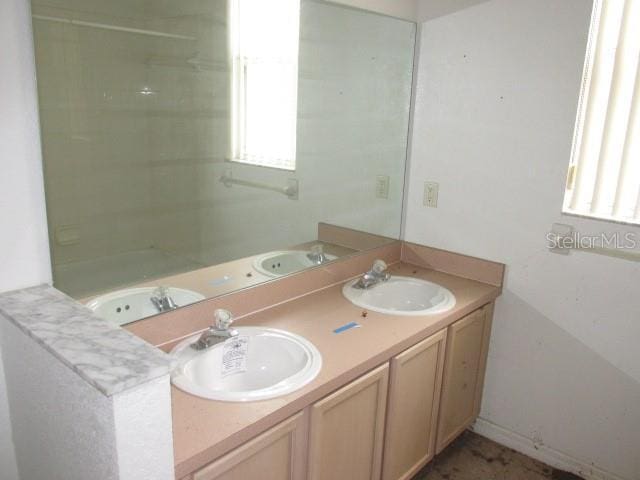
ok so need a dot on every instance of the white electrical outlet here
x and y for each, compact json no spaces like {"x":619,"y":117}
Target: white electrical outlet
{"x":382,"y":186}
{"x":431,"y":194}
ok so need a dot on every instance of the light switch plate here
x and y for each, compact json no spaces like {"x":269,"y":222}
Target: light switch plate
{"x":382,"y":186}
{"x":431,"y":194}
{"x":555,"y":238}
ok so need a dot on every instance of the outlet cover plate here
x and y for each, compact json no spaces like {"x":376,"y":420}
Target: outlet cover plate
{"x":431,"y":194}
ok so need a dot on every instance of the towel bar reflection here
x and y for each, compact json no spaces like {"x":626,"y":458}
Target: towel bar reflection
{"x":290,"y":190}
{"x":117,"y":28}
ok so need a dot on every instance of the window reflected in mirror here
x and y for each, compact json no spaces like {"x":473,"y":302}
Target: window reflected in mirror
{"x":264,"y":39}
{"x":194,"y":148}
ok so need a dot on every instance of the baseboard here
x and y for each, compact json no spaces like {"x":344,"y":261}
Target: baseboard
{"x":542,"y":453}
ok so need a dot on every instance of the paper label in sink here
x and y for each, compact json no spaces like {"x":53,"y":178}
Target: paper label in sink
{"x":234,"y":355}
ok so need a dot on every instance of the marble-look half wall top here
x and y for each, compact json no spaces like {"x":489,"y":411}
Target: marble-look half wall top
{"x":106,"y":356}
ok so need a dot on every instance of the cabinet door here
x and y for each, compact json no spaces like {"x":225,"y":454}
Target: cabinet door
{"x":464,"y":367}
{"x":414,"y":398}
{"x":347,"y":429}
{"x":277,"y":454}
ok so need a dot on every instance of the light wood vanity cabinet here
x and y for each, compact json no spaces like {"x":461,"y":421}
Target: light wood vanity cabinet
{"x":277,"y":454}
{"x":463,"y":379}
{"x":412,"y":410}
{"x":347,"y":429}
{"x":385,"y":425}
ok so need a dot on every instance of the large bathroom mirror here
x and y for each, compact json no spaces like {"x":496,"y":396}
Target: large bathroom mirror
{"x":196,"y":147}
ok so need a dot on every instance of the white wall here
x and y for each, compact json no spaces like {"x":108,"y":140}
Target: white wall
{"x":414,"y":10}
{"x":496,"y":101}
{"x":8,"y":464}
{"x":429,"y":9}
{"x":143,"y":429}
{"x":406,"y":9}
{"x":68,"y":430}
{"x":56,"y":444}
{"x":24,"y":250}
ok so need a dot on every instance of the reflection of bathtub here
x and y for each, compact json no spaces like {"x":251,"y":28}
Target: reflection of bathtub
{"x":87,"y":277}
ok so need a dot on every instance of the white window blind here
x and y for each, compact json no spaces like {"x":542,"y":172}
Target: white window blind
{"x":264,"y":48}
{"x":604,"y":174}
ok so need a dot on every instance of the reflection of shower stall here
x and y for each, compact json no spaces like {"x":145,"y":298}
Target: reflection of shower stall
{"x":135,"y":121}
{"x":85,"y":277}
{"x":133,"y":100}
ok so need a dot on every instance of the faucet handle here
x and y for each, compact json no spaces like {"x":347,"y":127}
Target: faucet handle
{"x":317,"y":249}
{"x":224,"y":319}
{"x":161,"y":291}
{"x":379,"y":266}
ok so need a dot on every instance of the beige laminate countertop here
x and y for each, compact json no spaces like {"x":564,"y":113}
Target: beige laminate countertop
{"x":203,"y":430}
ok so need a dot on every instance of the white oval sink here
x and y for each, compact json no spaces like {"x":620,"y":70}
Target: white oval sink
{"x":401,"y":296}
{"x":284,"y":262}
{"x":277,"y":363}
{"x":131,"y":304}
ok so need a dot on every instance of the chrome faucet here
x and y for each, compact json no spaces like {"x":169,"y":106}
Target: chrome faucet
{"x":377,"y":274}
{"x":162,"y":300}
{"x":317,"y":255}
{"x":217,"y":333}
